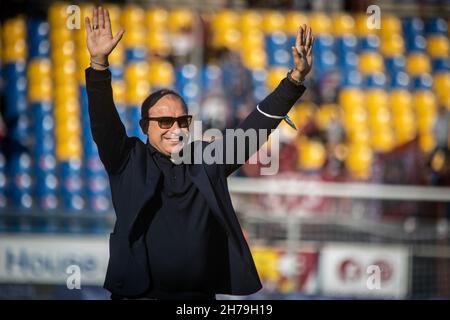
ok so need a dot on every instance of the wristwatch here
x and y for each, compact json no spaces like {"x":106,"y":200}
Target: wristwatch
{"x":296,"y":82}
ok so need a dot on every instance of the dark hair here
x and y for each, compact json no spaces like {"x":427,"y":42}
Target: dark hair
{"x":151,"y":100}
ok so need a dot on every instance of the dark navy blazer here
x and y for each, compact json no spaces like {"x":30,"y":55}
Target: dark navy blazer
{"x":134,"y":179}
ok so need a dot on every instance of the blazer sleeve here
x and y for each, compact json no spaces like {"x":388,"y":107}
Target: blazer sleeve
{"x":108,"y":131}
{"x":278,"y":102}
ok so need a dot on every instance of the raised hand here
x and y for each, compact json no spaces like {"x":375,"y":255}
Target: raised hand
{"x":302,"y":52}
{"x":100,"y":41}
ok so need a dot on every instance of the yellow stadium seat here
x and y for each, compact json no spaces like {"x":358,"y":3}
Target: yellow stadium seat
{"x":392,"y":45}
{"x":180,"y":19}
{"x":425,"y":103}
{"x":383,"y":141}
{"x":14,"y":29}
{"x":137,"y":92}
{"x":253,"y":40}
{"x":442,"y":85}
{"x":361,"y":26}
{"x":320,"y":23}
{"x":16,"y":51}
{"x":349,"y":97}
{"x":65,"y":95}
{"x":158,"y":42}
{"x":156,"y":18}
{"x":400,"y":100}
{"x":375,"y":99}
{"x":254,"y":60}
{"x":38,"y":68}
{"x":250,"y":20}
{"x":133,"y":17}
{"x":114,"y":10}
{"x":379,"y":118}
{"x":224,"y":20}
{"x":438,"y":46}
{"x":301,"y":113}
{"x":427,"y":142}
{"x":358,"y":134}
{"x":417,"y":64}
{"x":66,"y":108}
{"x":161,"y":74}
{"x":40,"y":90}
{"x":425,"y":123}
{"x":274,"y":76}
{"x":68,"y":148}
{"x":136,"y":71}
{"x":117,"y":57}
{"x":119,"y":89}
{"x":82,"y":57}
{"x":137,"y":37}
{"x":60,"y":36}
{"x":357,"y":116}
{"x":273,"y":21}
{"x":57,"y":14}
{"x":359,"y":161}
{"x":343,"y":24}
{"x":294,"y":20}
{"x":68,"y":125}
{"x":325,"y":114}
{"x":404,"y":127}
{"x":312,"y":155}
{"x":229,"y":38}
{"x":390,"y":24}
{"x":370,"y":62}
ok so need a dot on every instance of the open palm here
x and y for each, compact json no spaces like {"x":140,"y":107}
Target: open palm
{"x":100,"y":41}
{"x":302,"y":52}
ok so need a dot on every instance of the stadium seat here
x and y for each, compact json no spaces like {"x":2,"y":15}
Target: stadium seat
{"x":370,"y":62}
{"x":359,"y":161}
{"x":417,"y":64}
{"x":294,"y":20}
{"x":438,"y":46}
{"x":343,"y":24}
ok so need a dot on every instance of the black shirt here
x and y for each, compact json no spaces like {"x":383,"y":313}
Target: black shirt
{"x":183,"y":238}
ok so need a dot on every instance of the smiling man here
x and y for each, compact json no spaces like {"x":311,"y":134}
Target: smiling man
{"x":176,"y":235}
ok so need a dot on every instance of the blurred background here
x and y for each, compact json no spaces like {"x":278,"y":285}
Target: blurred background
{"x":364,"y":182}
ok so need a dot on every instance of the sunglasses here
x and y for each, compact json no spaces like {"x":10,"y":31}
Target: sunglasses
{"x":167,"y":122}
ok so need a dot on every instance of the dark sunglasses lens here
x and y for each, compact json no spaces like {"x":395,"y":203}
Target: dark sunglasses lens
{"x":166,"y":123}
{"x":184,"y":122}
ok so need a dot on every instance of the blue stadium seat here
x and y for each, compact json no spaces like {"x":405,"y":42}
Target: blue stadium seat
{"x":38,"y":43}
{"x":417,"y":43}
{"x":399,"y":80}
{"x":369,"y":43}
{"x":440,"y":64}
{"x":422,"y":82}
{"x":395,"y":64}
{"x":351,"y":79}
{"x":436,"y":26}
{"x":413,"y":26}
{"x":377,"y":80}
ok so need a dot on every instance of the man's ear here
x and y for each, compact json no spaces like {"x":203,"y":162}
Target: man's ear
{"x":143,"y":123}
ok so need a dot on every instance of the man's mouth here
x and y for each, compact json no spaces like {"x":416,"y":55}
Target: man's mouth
{"x":174,"y":139}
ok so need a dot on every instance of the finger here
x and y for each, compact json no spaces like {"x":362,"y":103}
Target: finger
{"x":94,"y":17}
{"x":118,"y":36}
{"x":101,"y":18}
{"x":308,"y":38}
{"x":301,"y":37}
{"x":107,"y":21}
{"x":297,"y":39}
{"x":304,"y":34}
{"x":294,"y":52}
{"x":87,"y":24}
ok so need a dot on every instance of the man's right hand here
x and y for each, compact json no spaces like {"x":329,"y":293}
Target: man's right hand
{"x":100,"y":41}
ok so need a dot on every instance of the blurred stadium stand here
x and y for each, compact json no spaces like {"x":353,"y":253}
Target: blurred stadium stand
{"x":376,"y":113}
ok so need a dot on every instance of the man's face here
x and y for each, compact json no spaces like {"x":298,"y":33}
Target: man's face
{"x":166,"y":141}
